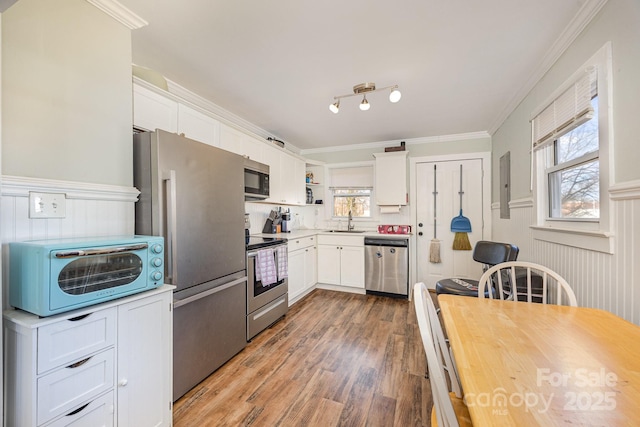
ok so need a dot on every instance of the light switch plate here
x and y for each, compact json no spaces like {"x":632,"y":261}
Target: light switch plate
{"x":47,"y":205}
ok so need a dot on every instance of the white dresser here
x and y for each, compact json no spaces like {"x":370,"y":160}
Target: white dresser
{"x":104,"y":365}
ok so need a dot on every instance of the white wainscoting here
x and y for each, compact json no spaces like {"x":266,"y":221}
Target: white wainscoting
{"x":600,"y":280}
{"x":91,"y":210}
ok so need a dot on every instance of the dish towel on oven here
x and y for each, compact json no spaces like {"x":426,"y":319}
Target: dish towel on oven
{"x":266,"y":267}
{"x":283,"y":262}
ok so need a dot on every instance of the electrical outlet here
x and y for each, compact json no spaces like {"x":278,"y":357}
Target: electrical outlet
{"x":47,"y":205}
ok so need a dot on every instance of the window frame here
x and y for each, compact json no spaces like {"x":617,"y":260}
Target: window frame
{"x":354,"y":194}
{"x":591,"y":234}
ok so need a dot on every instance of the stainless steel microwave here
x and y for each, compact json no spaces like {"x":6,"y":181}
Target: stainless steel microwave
{"x":256,"y":180}
{"x":53,"y":276}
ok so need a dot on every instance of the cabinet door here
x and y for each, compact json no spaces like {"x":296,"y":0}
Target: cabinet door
{"x":329,"y":264}
{"x":296,"y":273}
{"x":144,"y":374}
{"x":310,"y":267}
{"x":352,"y":266}
{"x":231,"y":139}
{"x":391,"y":178}
{"x":153,"y":111}
{"x":195,"y":125}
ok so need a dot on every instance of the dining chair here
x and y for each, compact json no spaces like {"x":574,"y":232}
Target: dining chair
{"x":553,"y":288}
{"x":448,"y":408}
{"x":486,"y":253}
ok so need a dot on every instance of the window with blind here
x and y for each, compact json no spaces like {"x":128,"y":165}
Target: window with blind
{"x":351,"y":189}
{"x":570,"y":140}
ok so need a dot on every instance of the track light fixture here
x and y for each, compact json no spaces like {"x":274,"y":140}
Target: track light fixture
{"x":363,"y":89}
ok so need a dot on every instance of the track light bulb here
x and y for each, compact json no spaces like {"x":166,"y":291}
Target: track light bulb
{"x":395,"y":95}
{"x":335,"y":107}
{"x":364,"y":105}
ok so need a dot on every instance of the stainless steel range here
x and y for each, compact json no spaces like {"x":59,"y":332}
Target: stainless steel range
{"x":267,"y":284}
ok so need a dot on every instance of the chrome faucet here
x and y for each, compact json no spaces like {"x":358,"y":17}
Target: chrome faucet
{"x":350,"y":226}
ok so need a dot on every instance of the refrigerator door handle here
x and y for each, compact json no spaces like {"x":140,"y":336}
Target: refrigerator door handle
{"x":169,"y":178}
{"x":179,"y":303}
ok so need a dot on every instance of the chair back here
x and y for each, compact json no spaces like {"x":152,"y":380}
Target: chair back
{"x":445,"y":413}
{"x":492,"y":253}
{"x":513,"y":280}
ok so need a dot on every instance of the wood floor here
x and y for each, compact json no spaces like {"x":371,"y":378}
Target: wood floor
{"x":336,"y":359}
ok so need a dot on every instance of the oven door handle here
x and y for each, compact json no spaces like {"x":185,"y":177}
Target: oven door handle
{"x":211,"y":291}
{"x":169,"y":178}
{"x":101,"y":251}
{"x":253,"y":254}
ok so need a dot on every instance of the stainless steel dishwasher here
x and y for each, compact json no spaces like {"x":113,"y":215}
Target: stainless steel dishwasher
{"x":386,"y":264}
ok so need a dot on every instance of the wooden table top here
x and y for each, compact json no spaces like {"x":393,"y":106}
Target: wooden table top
{"x":526,"y":364}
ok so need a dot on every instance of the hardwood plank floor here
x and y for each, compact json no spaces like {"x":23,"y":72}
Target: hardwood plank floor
{"x":336,"y":359}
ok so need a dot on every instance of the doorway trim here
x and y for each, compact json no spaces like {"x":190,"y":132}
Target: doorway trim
{"x":485,"y":156}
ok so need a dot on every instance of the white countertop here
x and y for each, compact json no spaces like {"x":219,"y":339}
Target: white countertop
{"x":295,"y":234}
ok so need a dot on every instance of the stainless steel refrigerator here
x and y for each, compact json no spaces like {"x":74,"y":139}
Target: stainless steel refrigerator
{"x":192,"y":194}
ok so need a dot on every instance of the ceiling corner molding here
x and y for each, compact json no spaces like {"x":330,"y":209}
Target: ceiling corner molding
{"x":412,"y":141}
{"x":579,"y":22}
{"x":120,"y":13}
{"x":219,"y":113}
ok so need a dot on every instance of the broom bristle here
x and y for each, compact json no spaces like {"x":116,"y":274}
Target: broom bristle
{"x":434,"y":252}
{"x":461,"y":242}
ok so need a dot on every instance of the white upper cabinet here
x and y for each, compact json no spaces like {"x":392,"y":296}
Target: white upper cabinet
{"x":286,"y":177}
{"x":196,"y":125}
{"x":153,"y":111}
{"x":391,"y":178}
{"x":239,"y":142}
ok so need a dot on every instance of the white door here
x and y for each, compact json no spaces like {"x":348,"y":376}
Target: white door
{"x":447,"y":179}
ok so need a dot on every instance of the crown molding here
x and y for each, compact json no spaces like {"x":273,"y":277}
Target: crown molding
{"x":120,"y":13}
{"x":408,"y":142}
{"x":579,"y":22}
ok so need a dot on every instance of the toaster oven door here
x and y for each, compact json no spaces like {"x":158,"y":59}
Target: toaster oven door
{"x":79,"y":279}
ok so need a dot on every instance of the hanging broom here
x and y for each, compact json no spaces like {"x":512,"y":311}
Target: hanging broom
{"x":461,"y":226}
{"x":434,"y":247}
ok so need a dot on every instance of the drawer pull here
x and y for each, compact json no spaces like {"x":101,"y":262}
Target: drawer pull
{"x":80,"y":409}
{"x":80,"y":363}
{"x":75,"y":319}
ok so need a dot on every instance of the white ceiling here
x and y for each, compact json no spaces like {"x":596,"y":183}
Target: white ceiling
{"x":460,"y":64}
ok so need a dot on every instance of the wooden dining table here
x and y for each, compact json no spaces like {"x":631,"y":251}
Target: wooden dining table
{"x":525,"y":364}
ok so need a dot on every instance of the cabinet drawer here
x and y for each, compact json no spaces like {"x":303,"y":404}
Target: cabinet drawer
{"x":70,"y":340}
{"x":342,"y":240}
{"x":97,"y":413}
{"x":63,"y":390}
{"x":301,"y":242}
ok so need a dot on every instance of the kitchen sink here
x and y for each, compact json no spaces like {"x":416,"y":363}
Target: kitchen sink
{"x":345,"y":231}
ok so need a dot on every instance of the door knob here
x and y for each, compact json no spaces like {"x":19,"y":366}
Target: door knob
{"x":420,"y":233}
{"x":419,"y":224}
{"x":123,"y":382}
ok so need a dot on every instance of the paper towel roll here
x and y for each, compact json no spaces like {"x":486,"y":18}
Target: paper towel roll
{"x":390,"y":209}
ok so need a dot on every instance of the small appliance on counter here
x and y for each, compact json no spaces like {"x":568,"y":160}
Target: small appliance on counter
{"x":309,"y":196}
{"x":49,"y":277}
{"x":287,"y":222}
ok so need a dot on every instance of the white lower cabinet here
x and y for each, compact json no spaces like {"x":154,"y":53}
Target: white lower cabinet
{"x":302,"y":267}
{"x":99,"y":366}
{"x":341,"y":260}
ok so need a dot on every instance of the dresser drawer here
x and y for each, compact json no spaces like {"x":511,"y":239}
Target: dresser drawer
{"x":73,"y":339}
{"x":301,"y":242}
{"x":97,"y":413}
{"x":65,"y":389}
